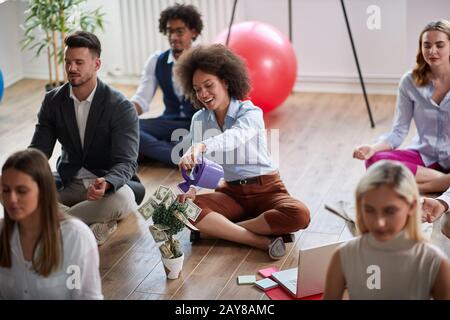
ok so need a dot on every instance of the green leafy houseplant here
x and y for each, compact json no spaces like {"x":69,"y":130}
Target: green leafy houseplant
{"x":46,"y":25}
{"x":170,"y":221}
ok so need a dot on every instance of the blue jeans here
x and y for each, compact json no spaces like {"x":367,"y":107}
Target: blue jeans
{"x":155,"y":137}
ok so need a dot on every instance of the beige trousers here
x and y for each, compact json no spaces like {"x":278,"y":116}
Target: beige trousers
{"x":112,"y":207}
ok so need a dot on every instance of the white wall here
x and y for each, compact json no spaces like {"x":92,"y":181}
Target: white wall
{"x":111,"y":40}
{"x":10,"y":55}
{"x":33,"y":67}
{"x":320,"y":39}
{"x":325,"y":55}
{"x":112,"y":37}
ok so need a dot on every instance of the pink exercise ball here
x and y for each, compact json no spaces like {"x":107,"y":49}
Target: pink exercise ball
{"x":270,"y":59}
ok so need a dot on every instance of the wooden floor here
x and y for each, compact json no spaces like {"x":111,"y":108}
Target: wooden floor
{"x":317,"y":134}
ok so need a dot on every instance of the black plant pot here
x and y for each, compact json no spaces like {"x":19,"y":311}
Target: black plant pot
{"x":51,"y":86}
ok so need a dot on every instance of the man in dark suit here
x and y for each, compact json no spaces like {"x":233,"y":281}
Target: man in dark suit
{"x":182,"y":24}
{"x":99,"y":135}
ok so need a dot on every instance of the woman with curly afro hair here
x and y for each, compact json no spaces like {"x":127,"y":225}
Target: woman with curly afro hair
{"x":252,"y":206}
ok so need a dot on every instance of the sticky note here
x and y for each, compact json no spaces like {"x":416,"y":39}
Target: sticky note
{"x":246,"y":279}
{"x":266,"y":284}
{"x":267,"y":272}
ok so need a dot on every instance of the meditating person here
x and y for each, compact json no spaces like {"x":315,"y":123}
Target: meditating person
{"x":98,"y":130}
{"x":252,"y":207}
{"x":423,"y":96}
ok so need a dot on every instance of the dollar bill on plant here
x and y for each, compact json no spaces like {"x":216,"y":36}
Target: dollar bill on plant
{"x":192,"y":210}
{"x":160,"y":193}
{"x":158,"y":235}
{"x":148,"y":208}
{"x":169,"y":217}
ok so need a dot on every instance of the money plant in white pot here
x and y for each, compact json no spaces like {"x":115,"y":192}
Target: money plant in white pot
{"x":169,"y":217}
{"x":167,"y":223}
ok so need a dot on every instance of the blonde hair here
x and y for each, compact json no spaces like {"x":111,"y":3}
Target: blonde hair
{"x":395,"y":175}
{"x":421,"y":72}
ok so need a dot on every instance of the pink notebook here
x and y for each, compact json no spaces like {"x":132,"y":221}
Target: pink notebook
{"x":279,"y":293}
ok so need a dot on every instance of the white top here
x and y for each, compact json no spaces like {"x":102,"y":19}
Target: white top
{"x":82,"y":109}
{"x":78,"y":277}
{"x":395,"y":269}
{"x":149,"y":83}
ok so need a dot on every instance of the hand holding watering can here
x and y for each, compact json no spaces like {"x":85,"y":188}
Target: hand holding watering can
{"x":204,"y":173}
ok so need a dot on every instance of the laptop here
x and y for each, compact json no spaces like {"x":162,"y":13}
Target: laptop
{"x":309,"y":278}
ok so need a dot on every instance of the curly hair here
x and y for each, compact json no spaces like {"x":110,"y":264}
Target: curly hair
{"x":185,"y":12}
{"x":421,"y":71}
{"x":215,"y":59}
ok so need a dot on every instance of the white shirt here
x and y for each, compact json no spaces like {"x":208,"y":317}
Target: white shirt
{"x":82,"y":109}
{"x":149,"y":83}
{"x":80,"y":262}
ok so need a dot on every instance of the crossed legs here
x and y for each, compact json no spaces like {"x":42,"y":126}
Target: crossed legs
{"x":223,"y":217}
{"x":111,"y":208}
{"x":218,"y":226}
{"x":155,"y":138}
{"x":429,"y":179}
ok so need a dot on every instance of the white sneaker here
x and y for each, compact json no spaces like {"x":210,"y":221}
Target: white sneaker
{"x":277,"y":249}
{"x":102,"y":231}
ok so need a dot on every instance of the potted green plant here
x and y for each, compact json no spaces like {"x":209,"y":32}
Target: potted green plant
{"x":169,"y":217}
{"x":167,"y":224}
{"x":46,"y":24}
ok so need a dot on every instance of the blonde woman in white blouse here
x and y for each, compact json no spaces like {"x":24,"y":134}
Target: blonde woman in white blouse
{"x":43,"y":254}
{"x":390,"y":260}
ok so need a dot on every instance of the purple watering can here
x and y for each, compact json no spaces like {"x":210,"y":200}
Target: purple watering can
{"x":205,"y":174}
